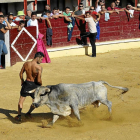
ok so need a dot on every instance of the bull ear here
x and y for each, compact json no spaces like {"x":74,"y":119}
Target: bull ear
{"x":47,"y":89}
{"x":31,"y":91}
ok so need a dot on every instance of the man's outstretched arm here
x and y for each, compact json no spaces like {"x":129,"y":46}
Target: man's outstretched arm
{"x":78,"y":17}
{"x":49,"y":22}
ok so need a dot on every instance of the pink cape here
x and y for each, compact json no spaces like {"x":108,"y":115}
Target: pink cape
{"x":41,"y":48}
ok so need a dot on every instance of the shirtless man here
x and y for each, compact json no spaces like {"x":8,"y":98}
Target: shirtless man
{"x":33,"y":80}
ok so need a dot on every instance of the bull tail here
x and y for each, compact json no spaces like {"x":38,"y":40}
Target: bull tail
{"x":122,"y":88}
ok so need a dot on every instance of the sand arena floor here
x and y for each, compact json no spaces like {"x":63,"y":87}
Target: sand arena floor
{"x":120,"y":68}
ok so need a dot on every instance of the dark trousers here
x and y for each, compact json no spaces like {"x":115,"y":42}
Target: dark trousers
{"x":92,"y":37}
{"x":49,"y":34}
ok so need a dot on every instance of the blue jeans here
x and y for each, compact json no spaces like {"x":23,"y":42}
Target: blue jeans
{"x":3,"y":49}
{"x":71,"y":30}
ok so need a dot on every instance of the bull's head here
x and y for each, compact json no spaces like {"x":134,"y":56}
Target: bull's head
{"x":39,"y":95}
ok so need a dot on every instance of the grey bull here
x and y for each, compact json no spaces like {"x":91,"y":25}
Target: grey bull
{"x":62,"y":98}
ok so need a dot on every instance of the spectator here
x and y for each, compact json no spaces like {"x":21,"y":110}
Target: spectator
{"x":98,"y":5}
{"x":47,"y":7}
{"x":3,"y":30}
{"x":58,"y":11}
{"x":113,"y":8}
{"x":97,"y":17}
{"x":104,"y":10}
{"x":20,"y":16}
{"x":49,"y":31}
{"x":47,"y":14}
{"x":28,"y":16}
{"x":129,"y":9}
{"x":12,"y":24}
{"x":81,"y":10}
{"x":5,"y":18}
{"x":94,"y":13}
{"x":56,"y":14}
{"x":33,"y":22}
{"x":21,"y":25}
{"x":117,"y":4}
{"x":4,"y":22}
{"x":92,"y":31}
{"x":55,"y":11}
{"x":71,"y":22}
{"x":67,"y":14}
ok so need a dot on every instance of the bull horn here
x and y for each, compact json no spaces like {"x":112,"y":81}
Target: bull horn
{"x":31,"y":91}
{"x":47,"y":89}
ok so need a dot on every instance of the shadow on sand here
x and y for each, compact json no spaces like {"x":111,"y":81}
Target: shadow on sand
{"x":36,"y":117}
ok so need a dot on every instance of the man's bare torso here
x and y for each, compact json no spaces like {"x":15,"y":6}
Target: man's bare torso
{"x":32,"y":70}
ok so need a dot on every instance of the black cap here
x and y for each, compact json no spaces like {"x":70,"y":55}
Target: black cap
{"x":10,"y":13}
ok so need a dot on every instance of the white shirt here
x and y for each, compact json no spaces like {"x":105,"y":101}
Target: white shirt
{"x":91,"y":25}
{"x":13,"y":24}
{"x":132,"y":12}
{"x":33,"y":23}
{"x":98,"y":9}
{"x":83,"y":11}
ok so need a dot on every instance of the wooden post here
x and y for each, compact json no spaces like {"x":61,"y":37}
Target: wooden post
{"x":48,"y":2}
{"x":35,"y":2}
{"x":79,"y":2}
{"x":25,"y":6}
{"x":88,"y":2}
{"x":136,"y":2}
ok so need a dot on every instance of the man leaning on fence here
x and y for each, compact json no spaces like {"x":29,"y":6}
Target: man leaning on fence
{"x":92,"y":31}
{"x":3,"y":30}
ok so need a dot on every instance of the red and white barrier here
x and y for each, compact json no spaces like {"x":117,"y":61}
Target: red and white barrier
{"x":30,"y":51}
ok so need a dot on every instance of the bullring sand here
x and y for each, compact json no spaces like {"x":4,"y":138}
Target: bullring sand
{"x":119,"y":68}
